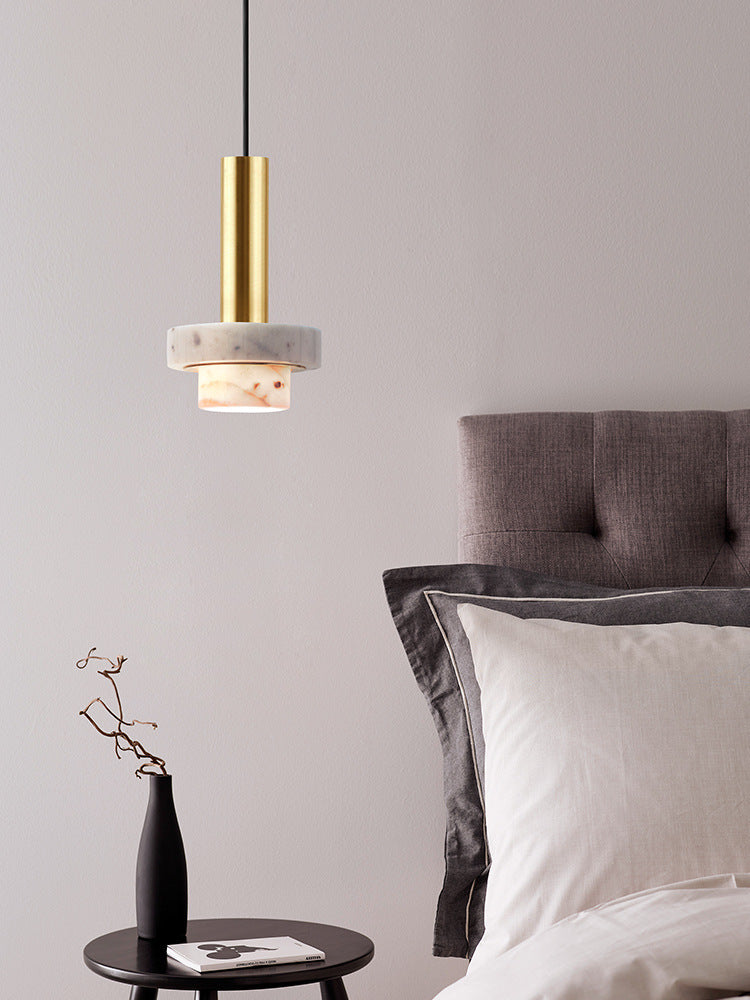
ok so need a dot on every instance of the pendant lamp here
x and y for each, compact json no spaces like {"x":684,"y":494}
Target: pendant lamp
{"x":244,"y":363}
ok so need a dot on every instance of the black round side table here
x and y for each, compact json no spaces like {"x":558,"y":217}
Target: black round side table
{"x":125,"y":957}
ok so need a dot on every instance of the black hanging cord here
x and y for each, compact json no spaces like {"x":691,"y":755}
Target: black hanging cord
{"x":245,"y":78}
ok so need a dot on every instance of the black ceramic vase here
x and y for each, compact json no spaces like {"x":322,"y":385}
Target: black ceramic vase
{"x":161,"y":872}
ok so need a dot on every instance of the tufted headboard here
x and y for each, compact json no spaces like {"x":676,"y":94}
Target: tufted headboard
{"x":618,"y":498}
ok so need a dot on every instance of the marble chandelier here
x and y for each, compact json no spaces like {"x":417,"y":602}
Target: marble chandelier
{"x":244,"y":363}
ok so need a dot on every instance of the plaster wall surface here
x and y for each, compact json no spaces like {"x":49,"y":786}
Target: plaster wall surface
{"x":485,"y":206}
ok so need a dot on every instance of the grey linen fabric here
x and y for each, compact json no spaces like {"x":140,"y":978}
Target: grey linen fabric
{"x":615,"y":498}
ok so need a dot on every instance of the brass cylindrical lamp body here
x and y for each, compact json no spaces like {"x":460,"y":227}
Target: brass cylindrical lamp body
{"x":244,"y":239}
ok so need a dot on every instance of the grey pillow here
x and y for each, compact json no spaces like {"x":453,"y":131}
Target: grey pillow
{"x":423,"y":602}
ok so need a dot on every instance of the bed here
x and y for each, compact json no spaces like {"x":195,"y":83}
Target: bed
{"x":587,"y":666}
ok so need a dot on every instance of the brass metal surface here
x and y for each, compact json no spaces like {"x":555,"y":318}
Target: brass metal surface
{"x":244,"y":239}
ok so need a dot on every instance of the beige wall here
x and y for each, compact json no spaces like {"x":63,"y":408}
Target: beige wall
{"x":485,"y":206}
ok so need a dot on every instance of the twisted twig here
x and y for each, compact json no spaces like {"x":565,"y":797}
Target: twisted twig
{"x":123,"y":741}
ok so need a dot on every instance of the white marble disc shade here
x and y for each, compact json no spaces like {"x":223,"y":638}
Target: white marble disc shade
{"x":240,"y":343}
{"x":243,"y":367}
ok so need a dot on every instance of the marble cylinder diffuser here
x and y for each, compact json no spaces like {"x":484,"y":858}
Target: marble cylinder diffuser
{"x":244,"y":388}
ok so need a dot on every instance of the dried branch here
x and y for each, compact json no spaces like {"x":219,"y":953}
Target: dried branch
{"x":123,"y":742}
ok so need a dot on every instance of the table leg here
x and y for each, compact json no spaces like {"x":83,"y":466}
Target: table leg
{"x":143,"y":993}
{"x":333,"y":989}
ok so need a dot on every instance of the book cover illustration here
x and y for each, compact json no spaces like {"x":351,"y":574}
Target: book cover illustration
{"x":214,"y":956}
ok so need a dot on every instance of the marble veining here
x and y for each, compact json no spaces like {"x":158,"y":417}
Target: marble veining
{"x":244,"y":387}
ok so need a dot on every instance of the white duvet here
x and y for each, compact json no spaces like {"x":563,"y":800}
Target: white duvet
{"x":689,"y":941}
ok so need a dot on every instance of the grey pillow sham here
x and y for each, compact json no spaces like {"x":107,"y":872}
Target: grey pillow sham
{"x":423,"y":601}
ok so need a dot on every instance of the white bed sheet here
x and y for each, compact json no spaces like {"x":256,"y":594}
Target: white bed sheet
{"x":688,"y":941}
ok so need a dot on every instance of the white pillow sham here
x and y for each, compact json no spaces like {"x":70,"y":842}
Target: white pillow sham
{"x":617,"y":758}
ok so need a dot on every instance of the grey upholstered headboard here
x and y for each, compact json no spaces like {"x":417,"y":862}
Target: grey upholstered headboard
{"x":617,"y":498}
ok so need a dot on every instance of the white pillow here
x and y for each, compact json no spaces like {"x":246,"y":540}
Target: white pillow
{"x":617,"y":759}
